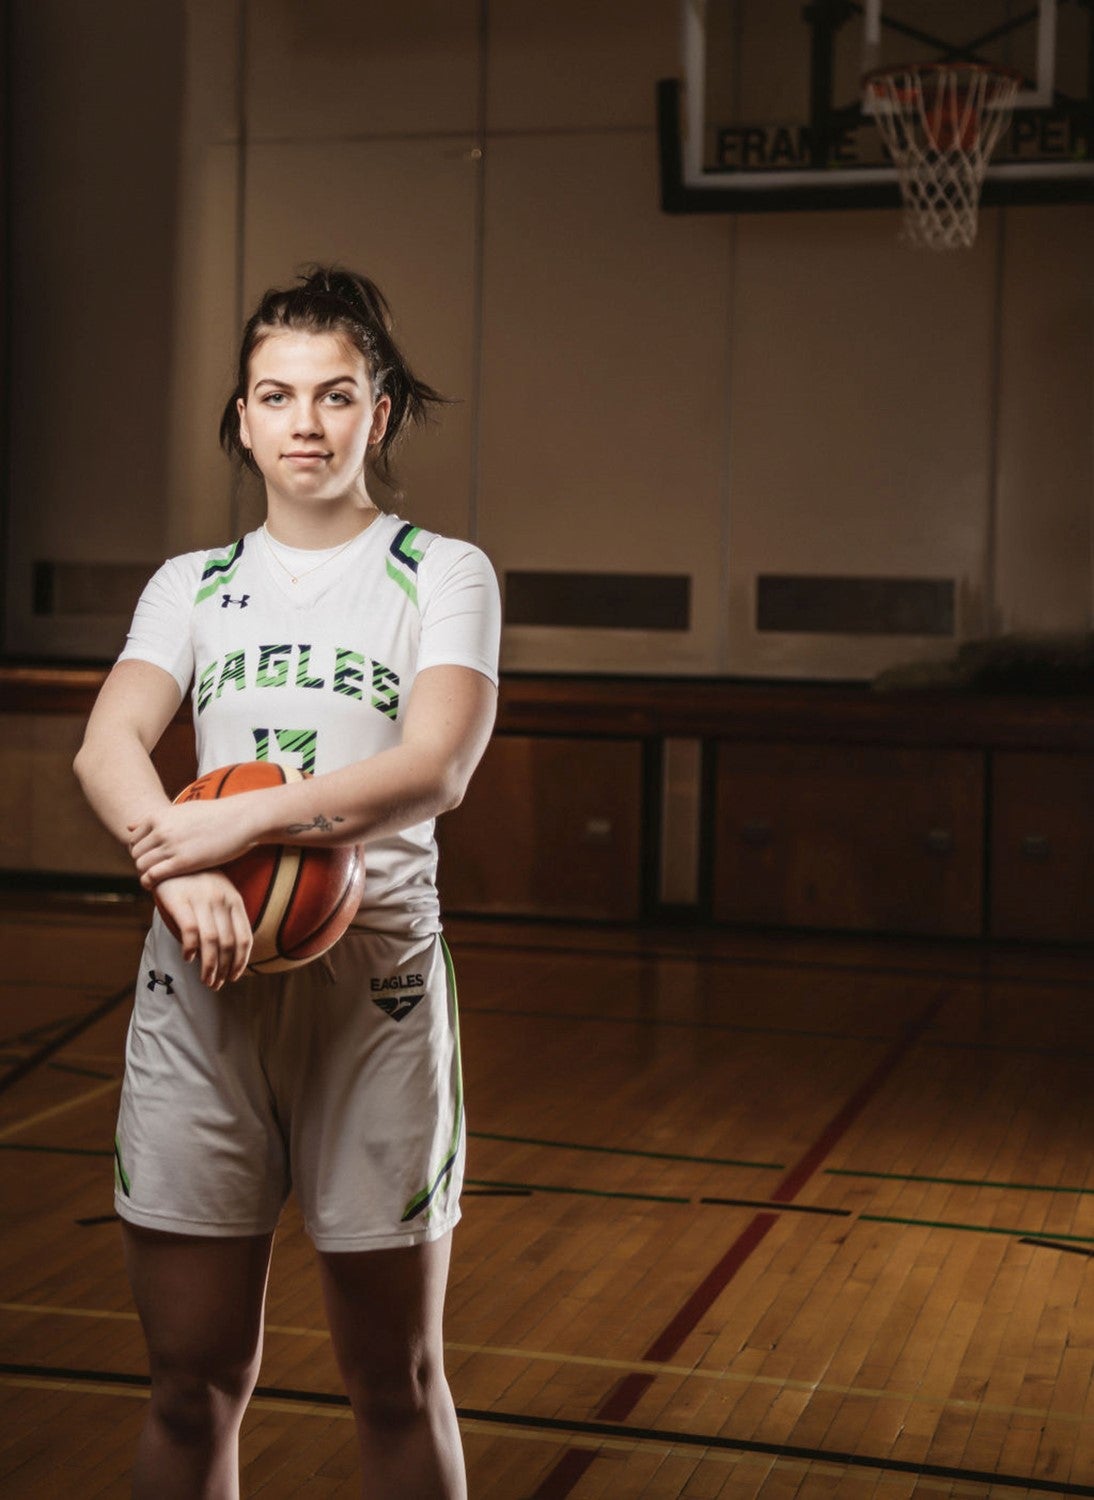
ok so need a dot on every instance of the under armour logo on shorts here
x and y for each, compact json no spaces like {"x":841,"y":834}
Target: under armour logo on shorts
{"x":242,"y":601}
{"x":167,"y":980}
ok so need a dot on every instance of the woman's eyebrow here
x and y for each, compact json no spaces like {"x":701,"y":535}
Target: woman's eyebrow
{"x":324,"y":385}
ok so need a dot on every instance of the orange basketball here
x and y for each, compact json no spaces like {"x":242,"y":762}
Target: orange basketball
{"x":299,"y":900}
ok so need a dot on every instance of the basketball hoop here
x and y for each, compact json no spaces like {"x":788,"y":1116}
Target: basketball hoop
{"x":940,"y":123}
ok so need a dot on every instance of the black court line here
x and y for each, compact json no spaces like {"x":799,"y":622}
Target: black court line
{"x":82,"y":1072}
{"x":45,"y":1052}
{"x":781,"y":1208}
{"x":738,"y":1029}
{"x":55,"y":1150}
{"x":1030,"y":1239}
{"x":97,"y":1219}
{"x":628,"y":952}
{"x":617,"y":1430}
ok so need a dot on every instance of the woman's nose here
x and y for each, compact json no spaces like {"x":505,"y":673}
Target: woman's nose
{"x":306,"y":423}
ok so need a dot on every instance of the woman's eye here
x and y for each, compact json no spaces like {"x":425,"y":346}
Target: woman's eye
{"x":339,"y":398}
{"x":274,"y":398}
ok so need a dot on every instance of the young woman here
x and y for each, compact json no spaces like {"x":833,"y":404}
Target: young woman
{"x":345,"y":642}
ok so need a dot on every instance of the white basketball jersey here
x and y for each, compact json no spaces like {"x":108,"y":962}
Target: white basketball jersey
{"x":317,"y":673}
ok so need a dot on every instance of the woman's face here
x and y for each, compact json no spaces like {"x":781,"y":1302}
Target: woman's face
{"x":309,"y":416}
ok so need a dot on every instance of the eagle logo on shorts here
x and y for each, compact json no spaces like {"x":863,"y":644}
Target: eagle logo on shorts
{"x":398,"y":995}
{"x":398,"y":1007}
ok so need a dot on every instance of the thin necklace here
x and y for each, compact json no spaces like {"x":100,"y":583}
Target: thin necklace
{"x":296,"y":577}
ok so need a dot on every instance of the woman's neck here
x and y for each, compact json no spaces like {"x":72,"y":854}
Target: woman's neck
{"x":315,"y":529}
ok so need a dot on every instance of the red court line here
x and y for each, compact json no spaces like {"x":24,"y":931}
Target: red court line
{"x":625,"y":1395}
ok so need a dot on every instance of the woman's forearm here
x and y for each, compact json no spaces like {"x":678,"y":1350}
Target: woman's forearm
{"x":120,"y":782}
{"x":363,"y":801}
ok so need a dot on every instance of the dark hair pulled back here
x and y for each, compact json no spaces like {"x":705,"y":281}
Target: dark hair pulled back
{"x":329,"y":299}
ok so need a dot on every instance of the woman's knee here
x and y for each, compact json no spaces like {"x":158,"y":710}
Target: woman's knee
{"x":395,"y":1396}
{"x":199,"y":1408}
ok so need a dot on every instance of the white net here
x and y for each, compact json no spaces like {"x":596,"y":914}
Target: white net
{"x":940,"y":124}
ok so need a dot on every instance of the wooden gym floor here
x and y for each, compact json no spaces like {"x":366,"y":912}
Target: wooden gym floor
{"x":747,"y":1216}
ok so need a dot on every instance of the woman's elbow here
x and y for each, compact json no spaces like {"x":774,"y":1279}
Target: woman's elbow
{"x":80,"y":764}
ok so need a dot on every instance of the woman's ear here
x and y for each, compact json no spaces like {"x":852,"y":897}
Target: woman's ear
{"x":381,"y":412}
{"x":244,"y":430}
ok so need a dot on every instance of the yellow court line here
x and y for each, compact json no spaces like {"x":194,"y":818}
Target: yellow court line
{"x":630,"y":1366}
{"x":60,"y":1109}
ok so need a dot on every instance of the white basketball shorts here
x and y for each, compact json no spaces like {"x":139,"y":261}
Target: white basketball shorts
{"x":340,"y":1080}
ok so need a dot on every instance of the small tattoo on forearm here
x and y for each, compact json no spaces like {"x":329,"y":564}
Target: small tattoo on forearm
{"x":320,"y":823}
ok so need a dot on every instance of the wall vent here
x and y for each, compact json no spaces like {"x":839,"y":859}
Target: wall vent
{"x":599,"y":601}
{"x":855,"y":606}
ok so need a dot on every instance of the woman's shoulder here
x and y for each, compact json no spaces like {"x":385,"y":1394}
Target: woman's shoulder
{"x":186,"y":573}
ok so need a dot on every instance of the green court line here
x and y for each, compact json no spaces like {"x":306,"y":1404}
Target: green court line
{"x":539,"y":1187}
{"x":1029,"y":1234}
{"x":707,"y":1161}
{"x":1017,"y":1187}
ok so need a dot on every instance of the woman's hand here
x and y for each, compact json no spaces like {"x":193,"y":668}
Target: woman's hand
{"x":179,"y":839}
{"x":212,"y":922}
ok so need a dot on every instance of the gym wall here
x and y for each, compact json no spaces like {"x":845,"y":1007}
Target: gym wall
{"x":695,"y":404}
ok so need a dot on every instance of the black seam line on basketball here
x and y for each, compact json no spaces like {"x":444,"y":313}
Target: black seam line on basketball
{"x":220,"y":784}
{"x":256,"y":923}
{"x":972,"y":1182}
{"x":1082,"y":1239}
{"x":705,"y":1161}
{"x":54,"y":1150}
{"x":744,"y":961}
{"x":301,"y":857}
{"x":581,"y":1192}
{"x":619,"y":1430}
{"x":44,"y":1053}
{"x":305,"y":850}
{"x":781,"y":1208}
{"x":1052,"y":1244}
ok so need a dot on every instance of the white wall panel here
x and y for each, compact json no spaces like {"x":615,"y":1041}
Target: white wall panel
{"x":1046,"y":423}
{"x":604,"y":362}
{"x":402,"y":212}
{"x":578,"y":64}
{"x":861,"y":425}
{"x":324,"y":68}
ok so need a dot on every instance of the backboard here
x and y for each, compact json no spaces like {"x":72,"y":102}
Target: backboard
{"x":770,"y":111}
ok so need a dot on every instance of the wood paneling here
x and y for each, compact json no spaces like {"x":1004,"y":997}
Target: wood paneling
{"x":1042,"y":840}
{"x":851,"y":837}
{"x":549,"y":827}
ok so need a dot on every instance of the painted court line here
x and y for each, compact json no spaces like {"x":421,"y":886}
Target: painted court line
{"x":973,"y":1182}
{"x":60,"y":1109}
{"x":592,"y":1361}
{"x":705,"y":1161}
{"x":61,"y":1039}
{"x":626,"y":1394}
{"x":334,"y":1403}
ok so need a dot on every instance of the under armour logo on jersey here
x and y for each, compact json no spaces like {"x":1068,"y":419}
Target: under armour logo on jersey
{"x":167,"y":980}
{"x":242,"y":601}
{"x":398,"y":1007}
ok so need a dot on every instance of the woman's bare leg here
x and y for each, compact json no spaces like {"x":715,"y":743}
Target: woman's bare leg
{"x":385,"y":1309}
{"x":200,"y":1303}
